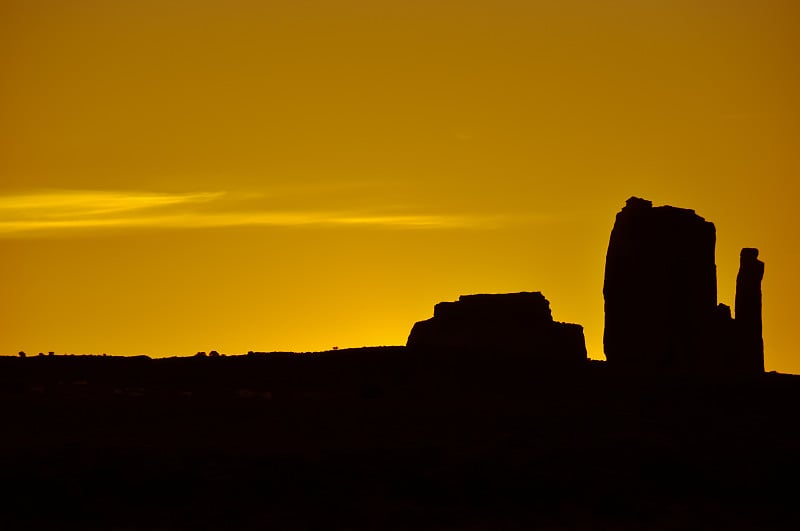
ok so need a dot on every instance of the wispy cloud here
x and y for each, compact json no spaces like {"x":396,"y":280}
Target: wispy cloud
{"x":69,"y":203}
{"x":60,"y":211}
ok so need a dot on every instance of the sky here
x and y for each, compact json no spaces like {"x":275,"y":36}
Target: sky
{"x":180,"y":176}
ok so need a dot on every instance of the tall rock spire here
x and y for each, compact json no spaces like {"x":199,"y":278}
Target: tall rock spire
{"x":748,"y":309}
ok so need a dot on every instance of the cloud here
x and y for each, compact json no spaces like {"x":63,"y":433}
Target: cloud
{"x":68,"y":203}
{"x":61,"y":211}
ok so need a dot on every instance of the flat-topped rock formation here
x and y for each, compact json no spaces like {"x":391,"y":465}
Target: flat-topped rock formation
{"x":515,"y":323}
{"x":660,"y":294}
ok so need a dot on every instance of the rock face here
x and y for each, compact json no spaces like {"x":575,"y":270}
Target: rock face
{"x":660,"y":294}
{"x":660,"y":284}
{"x":515,"y":323}
{"x":748,"y":310}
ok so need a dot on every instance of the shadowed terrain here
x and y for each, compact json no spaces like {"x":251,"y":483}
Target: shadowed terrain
{"x":385,"y":438}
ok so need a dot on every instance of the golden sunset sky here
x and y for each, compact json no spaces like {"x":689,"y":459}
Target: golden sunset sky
{"x":185,"y":175}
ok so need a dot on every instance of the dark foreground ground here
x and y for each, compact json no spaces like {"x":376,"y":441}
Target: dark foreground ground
{"x":385,"y":439}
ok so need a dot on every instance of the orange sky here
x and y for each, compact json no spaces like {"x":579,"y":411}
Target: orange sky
{"x":240,"y":175}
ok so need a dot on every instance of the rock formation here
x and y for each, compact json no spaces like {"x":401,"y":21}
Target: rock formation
{"x":748,"y":310}
{"x":510,"y":323}
{"x":660,"y":294}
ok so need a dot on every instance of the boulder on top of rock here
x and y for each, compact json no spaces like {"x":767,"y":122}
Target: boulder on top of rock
{"x":516,"y":323}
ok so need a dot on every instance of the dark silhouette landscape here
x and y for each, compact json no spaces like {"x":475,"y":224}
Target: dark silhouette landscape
{"x":491,"y":417}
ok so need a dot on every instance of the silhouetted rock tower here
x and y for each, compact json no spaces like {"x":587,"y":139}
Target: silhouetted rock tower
{"x":748,"y":309}
{"x":660,"y":294}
